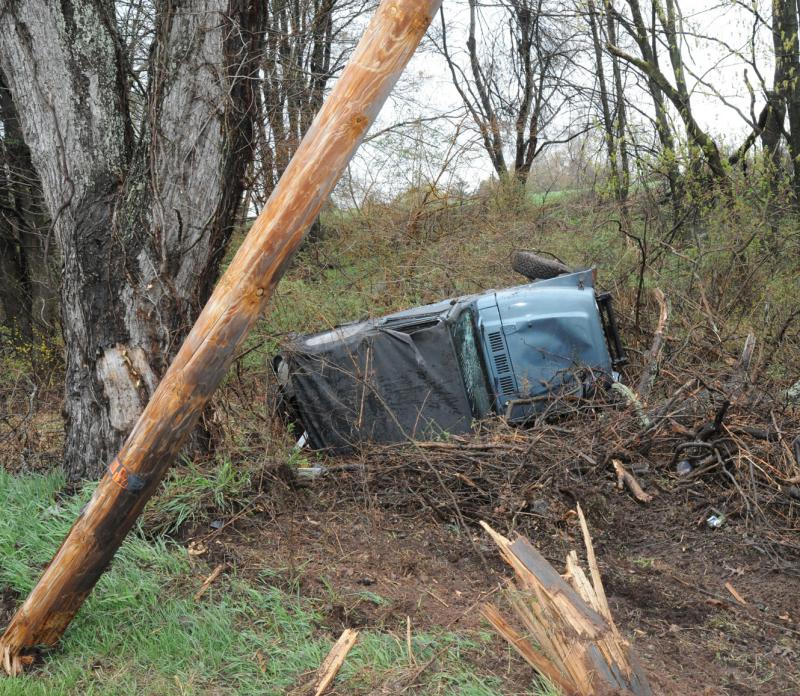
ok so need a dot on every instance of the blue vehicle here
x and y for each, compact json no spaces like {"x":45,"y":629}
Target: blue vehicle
{"x":439,"y":368}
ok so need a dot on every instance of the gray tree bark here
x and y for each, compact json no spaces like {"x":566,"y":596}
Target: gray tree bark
{"x":28,"y":262}
{"x":786,"y":44}
{"x":141,"y":223}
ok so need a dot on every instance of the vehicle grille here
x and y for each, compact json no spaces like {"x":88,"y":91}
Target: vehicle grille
{"x":504,"y":378}
{"x":496,"y":342}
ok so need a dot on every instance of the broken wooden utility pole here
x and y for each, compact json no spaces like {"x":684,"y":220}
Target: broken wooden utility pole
{"x":388,"y":43}
{"x":570,"y":637}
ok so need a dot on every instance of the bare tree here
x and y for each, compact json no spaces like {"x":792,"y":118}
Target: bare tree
{"x":614,"y":119}
{"x":678,"y":93}
{"x":620,"y":115}
{"x":514,"y":83}
{"x":786,"y":95}
{"x":141,"y":212}
{"x":306,"y":45}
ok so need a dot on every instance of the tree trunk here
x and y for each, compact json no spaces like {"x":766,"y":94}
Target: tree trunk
{"x":608,"y":123}
{"x":141,"y":226}
{"x":678,"y":95}
{"x":14,"y":294}
{"x":621,"y":119}
{"x":28,"y":280}
{"x":649,"y":52}
{"x":297,"y":64}
{"x":787,"y":69}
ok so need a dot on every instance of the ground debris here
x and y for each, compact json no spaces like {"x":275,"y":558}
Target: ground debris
{"x":736,"y":443}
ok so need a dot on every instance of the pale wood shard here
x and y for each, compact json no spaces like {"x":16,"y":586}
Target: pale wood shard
{"x":384,"y":50}
{"x":653,"y":356}
{"x":411,"y":659}
{"x":209,"y":581}
{"x":570,"y":636}
{"x":333,"y":662}
{"x":735,"y":594}
{"x":128,"y":380}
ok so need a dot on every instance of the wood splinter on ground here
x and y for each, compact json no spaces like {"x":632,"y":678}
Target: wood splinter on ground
{"x":570,"y":637}
{"x":209,"y":581}
{"x":331,"y":664}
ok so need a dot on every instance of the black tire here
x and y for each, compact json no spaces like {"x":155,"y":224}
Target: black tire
{"x":535,"y":267}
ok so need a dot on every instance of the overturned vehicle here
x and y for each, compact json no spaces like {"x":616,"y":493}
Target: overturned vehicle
{"x":438,"y":369}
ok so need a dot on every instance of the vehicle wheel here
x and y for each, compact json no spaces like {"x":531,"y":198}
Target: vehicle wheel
{"x":535,"y":267}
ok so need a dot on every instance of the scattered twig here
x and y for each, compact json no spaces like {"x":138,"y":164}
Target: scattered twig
{"x":628,"y":479}
{"x":209,"y":581}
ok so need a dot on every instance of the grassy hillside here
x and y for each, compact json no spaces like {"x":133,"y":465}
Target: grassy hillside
{"x":728,"y":270}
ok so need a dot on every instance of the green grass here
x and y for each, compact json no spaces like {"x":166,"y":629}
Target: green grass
{"x":188,"y":493}
{"x":141,"y":632}
{"x":542,"y":197}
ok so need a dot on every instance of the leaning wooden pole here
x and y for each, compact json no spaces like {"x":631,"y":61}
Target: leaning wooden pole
{"x":388,"y":43}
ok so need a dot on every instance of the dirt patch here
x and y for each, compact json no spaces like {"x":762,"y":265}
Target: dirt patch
{"x":665,"y":577}
{"x":368,"y":566}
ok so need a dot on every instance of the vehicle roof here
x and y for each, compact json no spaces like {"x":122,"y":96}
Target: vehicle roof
{"x":439,"y":311}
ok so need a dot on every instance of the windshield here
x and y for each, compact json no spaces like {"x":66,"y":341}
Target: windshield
{"x":463,"y":333}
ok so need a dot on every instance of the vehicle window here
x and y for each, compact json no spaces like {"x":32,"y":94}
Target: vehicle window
{"x":463,"y":332}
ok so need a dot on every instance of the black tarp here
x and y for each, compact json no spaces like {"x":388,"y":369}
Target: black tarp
{"x":378,"y":383}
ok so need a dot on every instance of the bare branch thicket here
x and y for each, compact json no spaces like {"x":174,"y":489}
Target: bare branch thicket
{"x":648,"y":63}
{"x":307,"y":43}
{"x":516,"y":84}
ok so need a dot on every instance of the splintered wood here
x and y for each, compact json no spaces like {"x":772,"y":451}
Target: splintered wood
{"x":330,"y":666}
{"x":209,"y":581}
{"x":570,"y":637}
{"x":334,"y":661}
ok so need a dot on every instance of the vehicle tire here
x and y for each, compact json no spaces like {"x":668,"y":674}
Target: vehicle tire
{"x":535,"y":267}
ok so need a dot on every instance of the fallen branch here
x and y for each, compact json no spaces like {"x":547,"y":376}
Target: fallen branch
{"x":570,"y":637}
{"x":628,"y":479}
